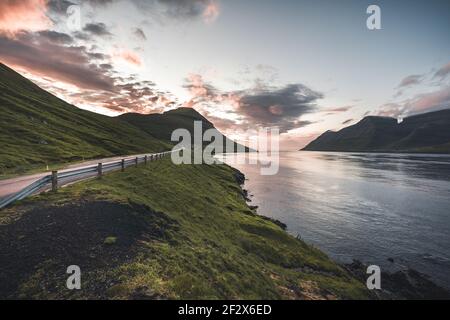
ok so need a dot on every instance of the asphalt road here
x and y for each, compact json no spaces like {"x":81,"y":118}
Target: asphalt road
{"x":14,"y":185}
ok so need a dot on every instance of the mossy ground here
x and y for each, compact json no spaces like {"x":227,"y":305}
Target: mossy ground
{"x":214,"y":246}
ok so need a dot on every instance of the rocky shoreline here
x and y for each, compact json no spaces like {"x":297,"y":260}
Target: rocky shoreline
{"x":405,"y":284}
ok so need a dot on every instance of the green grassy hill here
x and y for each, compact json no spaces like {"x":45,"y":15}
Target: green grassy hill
{"x":161,"y":126}
{"x":37,"y":128}
{"x":428,"y":132}
{"x":156,"y":232}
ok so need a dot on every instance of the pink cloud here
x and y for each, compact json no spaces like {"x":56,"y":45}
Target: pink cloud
{"x":18,"y":15}
{"x":276,"y":110}
{"x":259,"y":106}
{"x":432,"y":101}
{"x":211,"y":12}
{"x":130,"y":57}
{"x":41,"y":57}
{"x":197,"y":89}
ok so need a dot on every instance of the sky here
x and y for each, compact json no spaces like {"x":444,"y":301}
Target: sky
{"x":302,"y":66}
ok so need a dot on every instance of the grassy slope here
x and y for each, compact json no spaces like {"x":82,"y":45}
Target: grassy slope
{"x":207,"y":243}
{"x":37,"y":128}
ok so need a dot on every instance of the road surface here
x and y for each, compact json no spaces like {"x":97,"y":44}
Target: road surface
{"x":11,"y":186}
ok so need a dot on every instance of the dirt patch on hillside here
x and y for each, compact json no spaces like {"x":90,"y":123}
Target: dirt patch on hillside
{"x":37,"y":248}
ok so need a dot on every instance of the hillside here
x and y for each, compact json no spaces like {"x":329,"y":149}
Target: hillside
{"x":37,"y":128}
{"x":160,"y":231}
{"x":426,"y":133}
{"x":154,"y":231}
{"x":161,"y":126}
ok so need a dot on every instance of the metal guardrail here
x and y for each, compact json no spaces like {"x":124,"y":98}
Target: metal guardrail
{"x":51,"y":181}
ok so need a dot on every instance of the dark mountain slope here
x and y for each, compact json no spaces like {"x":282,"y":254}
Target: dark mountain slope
{"x":161,"y":126}
{"x":429,"y":132}
{"x":38,"y":128}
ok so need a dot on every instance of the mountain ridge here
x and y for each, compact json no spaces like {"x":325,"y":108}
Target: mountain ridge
{"x":422,"y":133}
{"x":161,"y":125}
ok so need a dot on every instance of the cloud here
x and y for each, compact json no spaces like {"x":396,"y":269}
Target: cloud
{"x":99,"y":2}
{"x":37,"y":54}
{"x":430,"y":101}
{"x":106,"y":66}
{"x":59,"y":6}
{"x":390,"y":110}
{"x":347,"y":121}
{"x":129,"y":56}
{"x":56,"y":37}
{"x":259,"y":106}
{"x":338,"y":109}
{"x":188,"y":9}
{"x":280,"y":107}
{"x":426,"y":102}
{"x":184,"y":8}
{"x":211,"y":12}
{"x":208,"y":10}
{"x":410,"y":80}
{"x":443,"y":72}
{"x":199,"y":89}
{"x":139,"y":96}
{"x":78,"y":74}
{"x":98,"y":29}
{"x":19,"y":15}
{"x":140,"y":34}
{"x":125,"y":96}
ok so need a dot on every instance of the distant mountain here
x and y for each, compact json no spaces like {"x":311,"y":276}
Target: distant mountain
{"x":162,"y":125}
{"x":37,"y":128}
{"x":424,"y":133}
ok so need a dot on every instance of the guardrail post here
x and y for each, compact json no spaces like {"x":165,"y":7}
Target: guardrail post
{"x":54,"y":181}
{"x":145,"y":160}
{"x":100,"y":170}
{"x":123,"y":165}
{"x":137,"y":160}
